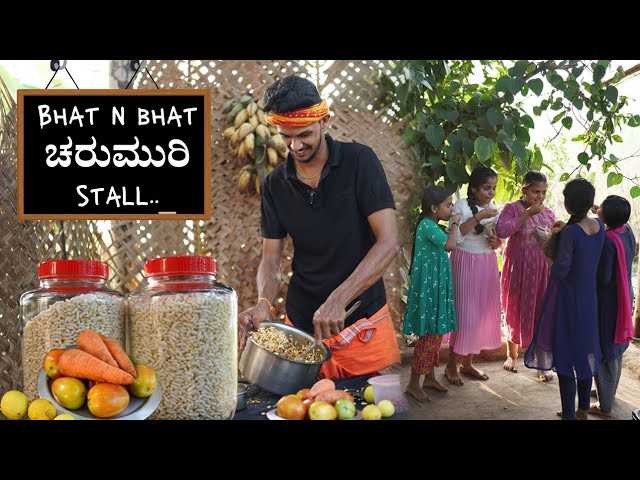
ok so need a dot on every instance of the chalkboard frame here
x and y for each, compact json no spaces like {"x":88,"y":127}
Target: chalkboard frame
{"x":206,"y":212}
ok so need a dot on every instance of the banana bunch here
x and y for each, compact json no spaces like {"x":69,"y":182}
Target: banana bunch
{"x":253,"y":144}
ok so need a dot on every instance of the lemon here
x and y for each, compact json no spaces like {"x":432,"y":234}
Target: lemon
{"x":14,"y":404}
{"x":65,"y":416}
{"x":387,"y":408}
{"x":368,"y":394}
{"x":41,"y":409}
{"x":371,"y":412}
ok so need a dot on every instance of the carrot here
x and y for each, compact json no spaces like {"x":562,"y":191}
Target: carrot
{"x":118,"y":353}
{"x":324,"y":385}
{"x":333,"y":396}
{"x":90,"y":342}
{"x":79,"y":364}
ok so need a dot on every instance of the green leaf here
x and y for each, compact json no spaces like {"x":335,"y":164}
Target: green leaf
{"x":564,"y":177}
{"x":577,"y":71}
{"x":598,"y":73}
{"x":635,"y":191}
{"x":522,"y":134}
{"x":521,"y":166}
{"x":519,"y":69}
{"x":494,"y":116}
{"x":507,"y":125}
{"x":611,"y":93}
{"x":595,"y":126}
{"x":614,"y":179}
{"x":559,"y":116}
{"x":536,"y":161}
{"x":411,"y":137}
{"x":483,"y":148}
{"x":527,"y":121}
{"x":537,"y":111}
{"x":634,"y":121}
{"x":567,"y":122}
{"x":578,"y":103}
{"x":456,"y":172}
{"x":517,"y":148}
{"x":617,"y":138}
{"x":583,"y":158}
{"x":504,"y":84}
{"x":435,"y":160}
{"x":468,"y":145}
{"x":434,"y":135}
{"x":402,"y":92}
{"x":536,"y":85}
{"x":455,"y":140}
{"x":613,"y":158}
{"x":454,"y":86}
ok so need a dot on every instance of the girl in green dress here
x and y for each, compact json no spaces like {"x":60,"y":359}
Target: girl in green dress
{"x":430,"y":309}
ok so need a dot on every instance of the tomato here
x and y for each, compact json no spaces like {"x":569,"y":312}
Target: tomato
{"x":306,"y":403}
{"x":106,"y":400}
{"x":304,"y":393}
{"x":322,"y":411}
{"x":145,"y":382}
{"x":69,"y":392}
{"x":291,"y":408}
{"x":51,"y":360}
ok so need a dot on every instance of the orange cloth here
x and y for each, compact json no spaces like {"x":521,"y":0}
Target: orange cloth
{"x":363,"y":348}
{"x":299,"y":118}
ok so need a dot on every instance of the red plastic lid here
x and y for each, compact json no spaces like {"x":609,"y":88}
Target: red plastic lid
{"x":181,"y":265}
{"x":73,"y":268}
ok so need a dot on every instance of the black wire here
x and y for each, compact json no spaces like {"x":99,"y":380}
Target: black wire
{"x":54,"y":74}
{"x":134,"y":76}
{"x":154,"y":82}
{"x":74,"y":82}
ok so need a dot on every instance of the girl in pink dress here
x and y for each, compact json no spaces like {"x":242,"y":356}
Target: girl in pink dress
{"x":526,"y":223}
{"x":476,"y":284}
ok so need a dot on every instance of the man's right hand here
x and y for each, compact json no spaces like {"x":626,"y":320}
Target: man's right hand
{"x":254,"y":315}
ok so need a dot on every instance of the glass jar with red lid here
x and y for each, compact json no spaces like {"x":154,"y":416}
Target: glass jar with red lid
{"x":183,"y":325}
{"x":72,"y":296}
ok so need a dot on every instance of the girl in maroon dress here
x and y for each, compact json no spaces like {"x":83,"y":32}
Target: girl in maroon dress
{"x":525,"y":223}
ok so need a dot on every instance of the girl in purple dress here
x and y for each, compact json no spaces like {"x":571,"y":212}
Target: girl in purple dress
{"x":525,"y":269}
{"x":566,"y":337}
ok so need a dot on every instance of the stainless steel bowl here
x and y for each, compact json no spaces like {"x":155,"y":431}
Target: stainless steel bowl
{"x":277,"y":374}
{"x":241,"y":402}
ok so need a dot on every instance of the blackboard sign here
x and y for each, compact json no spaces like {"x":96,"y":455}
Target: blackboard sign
{"x":114,"y":154}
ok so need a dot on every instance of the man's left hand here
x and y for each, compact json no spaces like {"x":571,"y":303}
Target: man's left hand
{"x":328,"y":320}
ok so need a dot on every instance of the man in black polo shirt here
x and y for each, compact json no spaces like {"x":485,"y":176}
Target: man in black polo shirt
{"x":334,"y":201}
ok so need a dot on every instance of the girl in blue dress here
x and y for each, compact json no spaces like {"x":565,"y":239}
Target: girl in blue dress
{"x":566,"y":337}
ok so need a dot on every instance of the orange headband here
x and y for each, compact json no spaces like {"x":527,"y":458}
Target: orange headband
{"x":299,"y":118}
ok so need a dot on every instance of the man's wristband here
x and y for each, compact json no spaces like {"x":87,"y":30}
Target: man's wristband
{"x":272,"y":309}
{"x":455,"y":223}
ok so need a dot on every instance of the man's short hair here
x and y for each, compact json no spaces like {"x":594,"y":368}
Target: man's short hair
{"x":289,"y":94}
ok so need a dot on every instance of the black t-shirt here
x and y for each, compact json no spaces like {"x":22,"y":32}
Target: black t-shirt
{"x":328,"y":226}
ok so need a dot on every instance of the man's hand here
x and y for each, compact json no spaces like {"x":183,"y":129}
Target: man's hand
{"x":328,"y":320}
{"x":255,"y":315}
